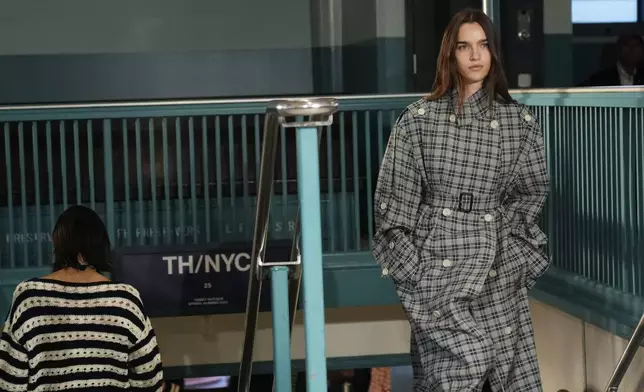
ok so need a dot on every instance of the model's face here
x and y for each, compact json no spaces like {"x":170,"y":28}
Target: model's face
{"x":472,"y":54}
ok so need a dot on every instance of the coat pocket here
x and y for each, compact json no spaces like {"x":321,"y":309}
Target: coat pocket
{"x":401,"y":249}
{"x":425,"y":224}
{"x":532,"y":244}
{"x":403,"y":259}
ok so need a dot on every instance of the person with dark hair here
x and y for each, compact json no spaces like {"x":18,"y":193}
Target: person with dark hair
{"x":74,"y":329}
{"x":80,"y":241}
{"x":460,"y":188}
{"x":627,"y":70}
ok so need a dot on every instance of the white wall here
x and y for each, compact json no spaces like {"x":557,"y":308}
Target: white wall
{"x":125,"y":26}
{"x":558,"y":56}
{"x":603,"y":351}
{"x":218,"y":339}
{"x":560,"y":348}
{"x":557,"y":17}
{"x":359,"y":21}
{"x":390,"y":16}
{"x":117,"y":50}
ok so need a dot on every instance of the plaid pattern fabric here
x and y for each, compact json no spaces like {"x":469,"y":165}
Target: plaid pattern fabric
{"x":457,"y":199}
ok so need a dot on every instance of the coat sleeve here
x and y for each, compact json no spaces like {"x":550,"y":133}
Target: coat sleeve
{"x":397,"y":199}
{"x":14,"y":361}
{"x":525,"y":203}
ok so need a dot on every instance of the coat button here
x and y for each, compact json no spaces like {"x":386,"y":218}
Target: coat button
{"x":507,"y":330}
{"x":447,"y":263}
{"x":436,"y":314}
{"x":494,"y":124}
{"x":488,"y":217}
{"x":492,"y":273}
{"x":447,"y":212}
{"x":391,"y":245}
{"x":452,"y":118}
{"x":528,"y":117}
{"x":383,"y":206}
{"x":421,"y":111}
{"x":385,"y":272}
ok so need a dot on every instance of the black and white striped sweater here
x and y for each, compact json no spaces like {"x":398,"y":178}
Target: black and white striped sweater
{"x":63,"y":336}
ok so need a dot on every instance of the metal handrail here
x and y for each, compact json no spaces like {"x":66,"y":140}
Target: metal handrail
{"x":217,"y":101}
{"x":276,"y":117}
{"x":269,"y":152}
{"x":627,"y":357}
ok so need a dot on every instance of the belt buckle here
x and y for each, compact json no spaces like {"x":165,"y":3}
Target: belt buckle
{"x":461,"y":200}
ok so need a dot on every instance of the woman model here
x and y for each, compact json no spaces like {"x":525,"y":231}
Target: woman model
{"x":74,"y":330}
{"x":461,"y":185}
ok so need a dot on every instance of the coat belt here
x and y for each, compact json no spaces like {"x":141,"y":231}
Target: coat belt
{"x":465,"y":202}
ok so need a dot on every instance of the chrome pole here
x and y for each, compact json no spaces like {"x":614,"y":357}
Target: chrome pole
{"x":627,"y":357}
{"x":492,"y":8}
{"x":486,"y":7}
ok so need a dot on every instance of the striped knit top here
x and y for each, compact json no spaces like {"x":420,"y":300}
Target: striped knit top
{"x":63,"y":336}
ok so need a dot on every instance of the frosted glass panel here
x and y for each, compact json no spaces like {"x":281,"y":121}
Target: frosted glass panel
{"x":604,"y":11}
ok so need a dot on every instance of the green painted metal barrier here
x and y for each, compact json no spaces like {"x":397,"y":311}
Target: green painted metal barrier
{"x":174,"y":179}
{"x":595,"y":145}
{"x":176,"y":173}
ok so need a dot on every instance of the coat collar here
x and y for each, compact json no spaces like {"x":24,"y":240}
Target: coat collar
{"x":478,"y":105}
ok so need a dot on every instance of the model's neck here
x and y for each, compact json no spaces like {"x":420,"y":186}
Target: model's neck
{"x":470,"y":89}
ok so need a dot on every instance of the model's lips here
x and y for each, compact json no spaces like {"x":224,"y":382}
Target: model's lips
{"x":476,"y":68}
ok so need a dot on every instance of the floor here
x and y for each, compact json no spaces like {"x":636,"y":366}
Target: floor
{"x":402,"y":379}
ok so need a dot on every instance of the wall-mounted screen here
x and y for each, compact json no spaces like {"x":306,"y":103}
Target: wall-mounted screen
{"x":604,"y":11}
{"x":206,"y":383}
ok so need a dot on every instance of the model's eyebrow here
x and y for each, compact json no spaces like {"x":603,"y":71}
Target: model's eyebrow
{"x":465,"y":42}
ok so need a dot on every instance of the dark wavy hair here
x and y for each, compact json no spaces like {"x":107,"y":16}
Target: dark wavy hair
{"x":447,"y":76}
{"x":79,"y":231}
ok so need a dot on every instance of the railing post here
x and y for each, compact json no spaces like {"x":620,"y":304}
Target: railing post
{"x":281,"y":336}
{"x":320,"y":112}
{"x":308,"y":181}
{"x":313,"y":292}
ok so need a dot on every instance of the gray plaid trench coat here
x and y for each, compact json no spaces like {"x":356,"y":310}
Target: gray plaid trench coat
{"x":457,"y":199}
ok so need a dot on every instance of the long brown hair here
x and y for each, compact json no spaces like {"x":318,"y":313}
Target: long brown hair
{"x":447,"y":76}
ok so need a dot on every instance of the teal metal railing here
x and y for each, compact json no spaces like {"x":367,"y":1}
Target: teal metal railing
{"x":186,"y":173}
{"x":595,"y":144}
{"x":176,"y":174}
